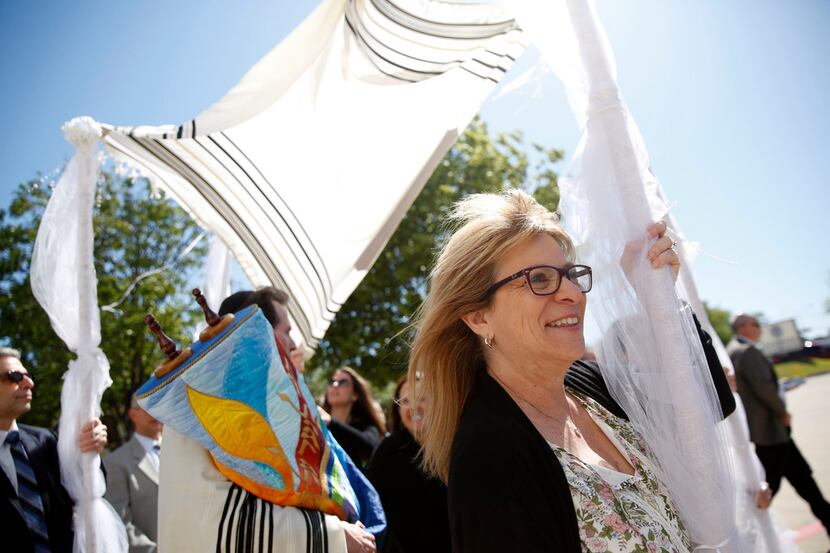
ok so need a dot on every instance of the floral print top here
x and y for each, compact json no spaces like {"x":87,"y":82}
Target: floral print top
{"x":617,"y":512}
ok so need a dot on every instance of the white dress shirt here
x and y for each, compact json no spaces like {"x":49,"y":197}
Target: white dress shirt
{"x":151,"y":446}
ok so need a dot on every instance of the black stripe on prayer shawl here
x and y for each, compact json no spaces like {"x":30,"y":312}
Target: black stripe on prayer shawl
{"x":157,"y":149}
{"x":262,"y":510}
{"x":249,"y":526}
{"x":464,"y":31}
{"x":315,"y":295}
{"x":375,"y":55}
{"x":325,"y":532}
{"x":508,"y":56}
{"x":286,"y":208}
{"x":316,"y":540}
{"x":257,"y":201}
{"x":322,"y":302}
{"x":367,"y":47}
{"x":307,"y":532}
{"x":270,"y":527}
{"x":229,"y":215}
{"x":412,"y":68}
{"x":372,"y":50}
{"x":206,"y":190}
{"x":318,"y":537}
{"x":362,"y":32}
{"x":236,"y":491}
{"x":223,"y":520}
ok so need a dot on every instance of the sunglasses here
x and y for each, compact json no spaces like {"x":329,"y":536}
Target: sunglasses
{"x":336,"y":382}
{"x":16,"y":376}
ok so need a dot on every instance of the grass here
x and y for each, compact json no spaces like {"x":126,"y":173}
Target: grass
{"x":806,"y":368}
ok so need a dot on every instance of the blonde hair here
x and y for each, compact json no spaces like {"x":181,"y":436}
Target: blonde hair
{"x":445,"y":353}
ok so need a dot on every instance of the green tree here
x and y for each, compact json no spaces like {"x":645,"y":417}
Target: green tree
{"x":367,"y":332}
{"x":135,"y":231}
{"x":721,"y":322}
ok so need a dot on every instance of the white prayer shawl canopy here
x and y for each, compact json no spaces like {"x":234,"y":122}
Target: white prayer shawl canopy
{"x":306,"y":167}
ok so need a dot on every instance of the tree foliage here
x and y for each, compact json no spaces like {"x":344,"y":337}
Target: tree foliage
{"x":135,"y":232}
{"x":721,"y":322}
{"x":369,"y":331}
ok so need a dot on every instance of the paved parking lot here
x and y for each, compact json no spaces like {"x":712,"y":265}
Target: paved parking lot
{"x":809,"y":405}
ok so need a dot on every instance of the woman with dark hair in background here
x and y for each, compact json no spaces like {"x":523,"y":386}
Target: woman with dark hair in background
{"x":415,"y":504}
{"x":350,"y":413}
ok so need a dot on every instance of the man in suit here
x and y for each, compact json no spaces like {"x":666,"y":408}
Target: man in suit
{"x":133,"y":478}
{"x":769,"y":421}
{"x":35,"y":508}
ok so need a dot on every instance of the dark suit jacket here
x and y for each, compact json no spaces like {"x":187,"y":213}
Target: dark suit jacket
{"x":358,"y":439}
{"x":42,"y":448}
{"x":415,"y":504}
{"x":758,"y":389}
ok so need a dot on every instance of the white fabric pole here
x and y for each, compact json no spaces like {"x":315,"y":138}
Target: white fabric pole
{"x":63,"y":281}
{"x":651,"y":358}
{"x":755,"y":526}
{"x":217,"y":273}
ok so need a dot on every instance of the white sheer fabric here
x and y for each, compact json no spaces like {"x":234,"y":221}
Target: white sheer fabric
{"x":217,"y":273}
{"x":63,"y":281}
{"x":650,"y":355}
{"x":216,"y":278}
{"x":306,"y":167}
{"x":756,"y":527}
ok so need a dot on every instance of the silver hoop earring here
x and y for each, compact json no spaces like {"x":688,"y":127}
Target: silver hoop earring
{"x":488,"y":342}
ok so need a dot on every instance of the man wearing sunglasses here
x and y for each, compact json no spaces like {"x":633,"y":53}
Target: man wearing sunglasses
{"x":35,"y":508}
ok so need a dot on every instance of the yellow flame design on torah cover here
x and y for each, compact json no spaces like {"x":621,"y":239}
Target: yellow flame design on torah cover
{"x":243,"y":432}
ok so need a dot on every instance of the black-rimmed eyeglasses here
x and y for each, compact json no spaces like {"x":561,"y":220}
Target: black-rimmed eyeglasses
{"x":15,"y":376}
{"x":544,"y":280}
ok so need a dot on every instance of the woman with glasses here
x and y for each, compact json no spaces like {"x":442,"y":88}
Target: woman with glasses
{"x":415,"y":503}
{"x":350,"y":413}
{"x":536,"y":454}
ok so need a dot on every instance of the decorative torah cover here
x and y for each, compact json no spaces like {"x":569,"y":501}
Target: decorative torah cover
{"x":240,"y":398}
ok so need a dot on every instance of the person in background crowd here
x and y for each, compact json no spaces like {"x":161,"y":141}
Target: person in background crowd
{"x":35,"y":508}
{"x":415,"y":504}
{"x":769,"y":421}
{"x":133,"y":479}
{"x":350,"y":414}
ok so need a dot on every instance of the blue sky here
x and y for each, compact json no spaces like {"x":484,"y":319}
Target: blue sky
{"x":730,"y":98}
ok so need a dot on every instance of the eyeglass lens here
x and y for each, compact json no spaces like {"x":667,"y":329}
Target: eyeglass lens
{"x":545,"y":280}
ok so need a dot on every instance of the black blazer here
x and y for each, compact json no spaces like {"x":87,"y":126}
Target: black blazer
{"x":358,"y":439}
{"x":507,"y":490}
{"x":42,"y":449}
{"x":415,"y":504}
